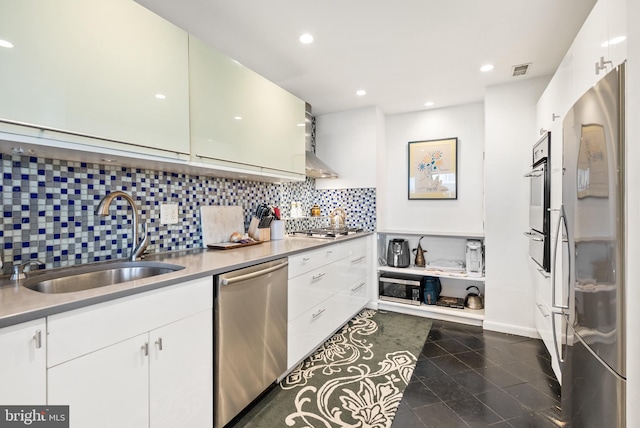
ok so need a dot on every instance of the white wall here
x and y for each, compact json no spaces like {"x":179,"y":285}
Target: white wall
{"x":633,"y":213}
{"x":463,"y":215}
{"x":347,"y":142}
{"x":510,"y":112}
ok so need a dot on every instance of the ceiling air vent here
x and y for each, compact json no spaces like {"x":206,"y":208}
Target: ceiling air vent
{"x":520,"y":70}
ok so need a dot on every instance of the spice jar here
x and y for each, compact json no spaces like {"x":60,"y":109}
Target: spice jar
{"x":315,"y":211}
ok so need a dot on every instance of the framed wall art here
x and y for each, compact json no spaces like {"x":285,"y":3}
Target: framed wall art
{"x":433,"y":169}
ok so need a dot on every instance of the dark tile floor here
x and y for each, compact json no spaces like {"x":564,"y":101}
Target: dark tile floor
{"x":468,"y":377}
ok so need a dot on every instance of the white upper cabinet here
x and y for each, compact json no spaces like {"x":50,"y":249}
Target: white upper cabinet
{"x":240,"y":119}
{"x":617,"y":30}
{"x":106,"y":69}
{"x":589,"y":47}
{"x":600,"y":45}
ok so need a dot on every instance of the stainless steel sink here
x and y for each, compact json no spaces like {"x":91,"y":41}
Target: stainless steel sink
{"x":88,"y":277}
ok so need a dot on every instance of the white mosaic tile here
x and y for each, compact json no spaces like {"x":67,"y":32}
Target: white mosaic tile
{"x":48,"y":208}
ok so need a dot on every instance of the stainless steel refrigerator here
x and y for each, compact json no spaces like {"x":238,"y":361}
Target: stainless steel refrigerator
{"x":589,"y":306}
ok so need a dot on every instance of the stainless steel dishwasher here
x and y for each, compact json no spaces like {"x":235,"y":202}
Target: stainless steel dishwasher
{"x":250,"y":336}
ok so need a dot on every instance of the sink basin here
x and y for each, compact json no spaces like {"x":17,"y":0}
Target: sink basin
{"x":88,"y":277}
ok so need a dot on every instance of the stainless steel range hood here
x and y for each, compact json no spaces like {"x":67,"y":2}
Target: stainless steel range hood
{"x":315,"y":168}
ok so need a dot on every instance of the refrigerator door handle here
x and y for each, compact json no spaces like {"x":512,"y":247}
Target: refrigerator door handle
{"x":561,"y":222}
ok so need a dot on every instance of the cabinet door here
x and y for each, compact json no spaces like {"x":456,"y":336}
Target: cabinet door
{"x":23,"y":363}
{"x":94,"y":68}
{"x":588,"y":47}
{"x":106,"y":388}
{"x":617,"y":30}
{"x":181,"y":373}
{"x":239,"y":117}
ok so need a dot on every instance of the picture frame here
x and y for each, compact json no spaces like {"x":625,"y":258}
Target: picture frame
{"x":433,"y":169}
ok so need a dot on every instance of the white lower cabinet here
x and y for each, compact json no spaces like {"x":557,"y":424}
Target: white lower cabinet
{"x":326,"y":294}
{"x":106,"y":388}
{"x":158,"y":377}
{"x":23,"y":363}
{"x":181,"y":373}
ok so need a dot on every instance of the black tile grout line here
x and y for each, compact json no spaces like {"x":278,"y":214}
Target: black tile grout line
{"x":530,"y":376}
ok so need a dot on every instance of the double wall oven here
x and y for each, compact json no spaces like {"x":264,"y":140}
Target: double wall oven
{"x":539,"y":204}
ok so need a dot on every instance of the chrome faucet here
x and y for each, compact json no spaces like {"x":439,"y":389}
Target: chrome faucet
{"x":18,"y":270}
{"x":139,"y":245}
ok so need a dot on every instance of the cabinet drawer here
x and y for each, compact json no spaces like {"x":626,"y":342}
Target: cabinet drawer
{"x":352,"y":298}
{"x":310,"y":289}
{"x":353,"y":267}
{"x":355,"y":248}
{"x":308,"y":331}
{"x":544,"y":326}
{"x":310,"y":260}
{"x":78,"y":332}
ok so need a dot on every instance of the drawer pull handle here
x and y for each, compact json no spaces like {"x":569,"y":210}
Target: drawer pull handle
{"x":359,"y":259}
{"x":38,"y":338}
{"x":305,"y":259}
{"x":329,"y":251}
{"x":358,"y":287}
{"x":159,"y":343}
{"x":145,"y":349}
{"x":318,"y":276}
{"x":317,"y":314}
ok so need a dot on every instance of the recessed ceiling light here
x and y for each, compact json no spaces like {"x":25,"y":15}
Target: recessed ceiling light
{"x":614,"y":41}
{"x":5,"y":44}
{"x":486,"y":67}
{"x":306,"y":38}
{"x":361,"y":92}
{"x":429,"y":103}
{"x":161,"y":96}
{"x":237,"y":117}
{"x":300,"y":124}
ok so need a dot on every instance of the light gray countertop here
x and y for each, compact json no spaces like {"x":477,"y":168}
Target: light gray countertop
{"x":19,"y":304}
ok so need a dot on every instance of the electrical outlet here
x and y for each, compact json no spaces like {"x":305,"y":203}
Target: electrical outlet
{"x":169,"y":213}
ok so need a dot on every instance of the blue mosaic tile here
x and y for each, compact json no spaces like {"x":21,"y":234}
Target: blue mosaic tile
{"x":49,"y":213}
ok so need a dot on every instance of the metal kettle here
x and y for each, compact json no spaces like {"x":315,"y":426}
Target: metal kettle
{"x":398,"y":254}
{"x":419,"y":252}
{"x":473,"y":300}
{"x":337,"y":218}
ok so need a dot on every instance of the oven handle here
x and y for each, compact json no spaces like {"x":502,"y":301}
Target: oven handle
{"x":537,"y":172}
{"x":534,"y":236}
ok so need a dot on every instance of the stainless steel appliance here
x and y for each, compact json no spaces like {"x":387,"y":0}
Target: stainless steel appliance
{"x":539,"y":204}
{"x":474,"y":258}
{"x":250,"y":329}
{"x":398,"y":254}
{"x":589,"y":301}
{"x":400,"y":288}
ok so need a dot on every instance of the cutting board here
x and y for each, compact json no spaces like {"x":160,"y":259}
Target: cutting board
{"x":219,"y":222}
{"x":231,"y":245}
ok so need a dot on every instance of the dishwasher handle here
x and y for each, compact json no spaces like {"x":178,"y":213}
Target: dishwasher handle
{"x":228,"y":281}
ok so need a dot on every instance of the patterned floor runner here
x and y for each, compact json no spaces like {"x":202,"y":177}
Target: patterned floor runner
{"x":356,"y":379}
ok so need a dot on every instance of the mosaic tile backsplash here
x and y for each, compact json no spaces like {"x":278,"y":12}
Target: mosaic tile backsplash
{"x":48,"y":208}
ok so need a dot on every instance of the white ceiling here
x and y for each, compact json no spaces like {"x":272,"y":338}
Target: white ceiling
{"x":402,"y":53}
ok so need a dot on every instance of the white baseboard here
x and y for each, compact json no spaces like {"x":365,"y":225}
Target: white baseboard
{"x":511,"y":329}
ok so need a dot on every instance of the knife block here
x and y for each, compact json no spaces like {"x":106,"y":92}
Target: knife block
{"x":264,"y":234}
